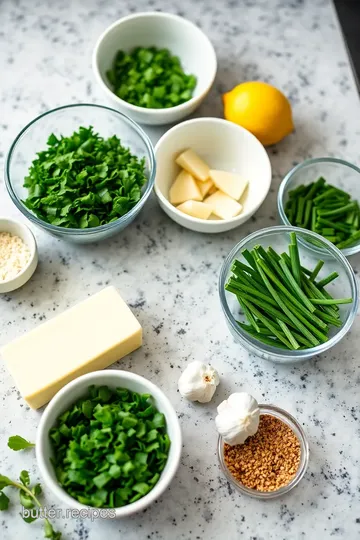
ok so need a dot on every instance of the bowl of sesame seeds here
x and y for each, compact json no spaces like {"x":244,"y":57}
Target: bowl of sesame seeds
{"x":271,"y":462}
{"x":18,"y":254}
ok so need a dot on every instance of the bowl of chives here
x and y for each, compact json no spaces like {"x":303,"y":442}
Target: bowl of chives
{"x":281,"y":301}
{"x":323,"y":195}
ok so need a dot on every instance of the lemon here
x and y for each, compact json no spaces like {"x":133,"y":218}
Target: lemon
{"x":260,"y":108}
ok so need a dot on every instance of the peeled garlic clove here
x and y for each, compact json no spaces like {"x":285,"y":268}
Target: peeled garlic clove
{"x":198,"y":382}
{"x":238,"y":418}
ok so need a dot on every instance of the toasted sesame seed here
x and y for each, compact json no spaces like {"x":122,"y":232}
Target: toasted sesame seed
{"x":268,"y":460}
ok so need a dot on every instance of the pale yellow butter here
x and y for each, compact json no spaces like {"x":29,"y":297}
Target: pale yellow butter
{"x":192,"y":163}
{"x":223,"y":206}
{"x":205,"y":187}
{"x":195,"y":209}
{"x":231,"y":184}
{"x":89,"y":336}
{"x":184,"y":189}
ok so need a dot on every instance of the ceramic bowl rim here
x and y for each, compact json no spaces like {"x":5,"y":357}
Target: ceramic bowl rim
{"x":213,"y":222}
{"x":32,"y":246}
{"x":96,"y":377}
{"x":136,"y":108}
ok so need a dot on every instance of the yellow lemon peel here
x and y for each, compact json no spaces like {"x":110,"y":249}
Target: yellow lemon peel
{"x":260,"y":108}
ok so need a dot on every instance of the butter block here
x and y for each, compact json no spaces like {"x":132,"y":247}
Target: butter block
{"x":184,"y":189}
{"x":230,"y":183}
{"x":87,"y":337}
{"x":195,"y":209}
{"x":193,"y":164}
{"x":223,"y":206}
{"x":205,"y":187}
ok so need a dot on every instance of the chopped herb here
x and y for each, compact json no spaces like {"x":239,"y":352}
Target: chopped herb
{"x":151,"y":78}
{"x":84,"y":181}
{"x":110,"y":447}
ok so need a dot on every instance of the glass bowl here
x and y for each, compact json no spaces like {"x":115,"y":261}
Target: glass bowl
{"x":304,"y":456}
{"x":344,"y":286}
{"x":337,"y":172}
{"x":64,"y":121}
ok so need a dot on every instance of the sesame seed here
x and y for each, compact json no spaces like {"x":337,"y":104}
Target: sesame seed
{"x":268,"y":460}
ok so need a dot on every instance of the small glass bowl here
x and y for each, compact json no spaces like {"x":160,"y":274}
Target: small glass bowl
{"x":64,"y":121}
{"x":344,"y":286}
{"x":290,"y":421}
{"x":337,"y":172}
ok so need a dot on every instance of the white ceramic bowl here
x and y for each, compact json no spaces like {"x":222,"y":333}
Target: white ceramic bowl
{"x":22,"y":231}
{"x":163,"y":30}
{"x":78,"y":388}
{"x":223,"y":145}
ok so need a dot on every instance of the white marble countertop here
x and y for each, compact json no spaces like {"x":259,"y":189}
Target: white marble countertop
{"x":169,"y":275}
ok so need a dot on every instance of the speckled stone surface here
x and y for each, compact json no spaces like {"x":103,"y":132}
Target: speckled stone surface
{"x":168,"y":275}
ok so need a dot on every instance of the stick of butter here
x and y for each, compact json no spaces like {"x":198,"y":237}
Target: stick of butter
{"x":87,"y":337}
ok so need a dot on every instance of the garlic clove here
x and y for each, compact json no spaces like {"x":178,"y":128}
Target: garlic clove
{"x":238,"y":418}
{"x":198,"y":382}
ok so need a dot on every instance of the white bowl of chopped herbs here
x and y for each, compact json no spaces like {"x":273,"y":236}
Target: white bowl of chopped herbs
{"x":109,"y":440}
{"x":81,"y":172}
{"x":156,"y":67}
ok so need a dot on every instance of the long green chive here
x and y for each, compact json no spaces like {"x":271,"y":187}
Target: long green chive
{"x":346,"y":243}
{"x":250,"y":259}
{"x":327,"y":280}
{"x":300,"y":211}
{"x":291,"y":297}
{"x":294,"y":258}
{"x":263,"y":337}
{"x":304,"y":325}
{"x":248,"y":314}
{"x":316,"y":270}
{"x":250,"y":290}
{"x":336,"y":212}
{"x":288,"y":334}
{"x":331,"y":320}
{"x":313,"y":292}
{"x":307,"y":214}
{"x":267,"y":322}
{"x":283,"y":305}
{"x":280,"y":311}
{"x":297,"y":290}
{"x":328,"y":302}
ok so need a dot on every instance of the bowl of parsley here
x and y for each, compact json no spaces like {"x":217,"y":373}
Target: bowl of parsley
{"x":108,"y":444}
{"x":81,"y":172}
{"x":155,"y":67}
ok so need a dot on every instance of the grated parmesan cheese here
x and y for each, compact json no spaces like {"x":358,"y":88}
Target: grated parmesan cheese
{"x":14,"y":255}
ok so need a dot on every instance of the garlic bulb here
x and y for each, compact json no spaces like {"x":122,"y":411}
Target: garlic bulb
{"x":198,"y":382}
{"x":238,"y":418}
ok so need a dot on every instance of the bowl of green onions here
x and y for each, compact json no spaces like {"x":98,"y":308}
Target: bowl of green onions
{"x":108,"y":444}
{"x":323,"y":195}
{"x":281,"y":300}
{"x":155,"y":67}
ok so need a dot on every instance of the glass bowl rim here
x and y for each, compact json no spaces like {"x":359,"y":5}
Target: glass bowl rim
{"x":279,"y":354}
{"x":290,"y":421}
{"x":56,"y":229}
{"x":288,"y":177}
